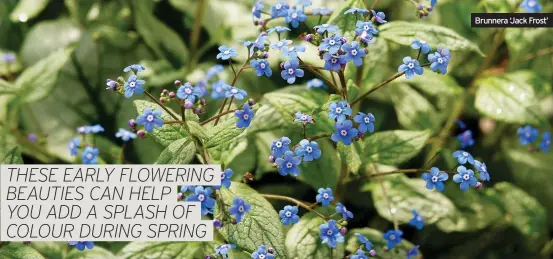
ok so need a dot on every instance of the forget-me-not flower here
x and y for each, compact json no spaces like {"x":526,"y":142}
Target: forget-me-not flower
{"x":435,"y":179}
{"x":354,"y":52}
{"x":339,"y":111}
{"x":330,"y":234}
{"x":262,"y":253}
{"x":393,"y":237}
{"x":324,"y":196}
{"x":74,"y":145}
{"x":90,"y":155}
{"x":291,"y":71}
{"x":465,"y":177}
{"x":239,"y":208}
{"x":256,"y":9}
{"x":280,"y":10}
{"x":278,"y":29}
{"x":545,"y":142}
{"x":365,"y":122}
{"x":463,"y":157}
{"x":81,"y":245}
{"x":345,"y":132}
{"x":261,"y":67}
{"x":326,"y":28}
{"x":531,"y":6}
{"x":135,"y":68}
{"x":125,"y":135}
{"x":341,"y":209}
{"x":417,"y":220}
{"x":295,"y":17}
{"x":280,"y":146}
{"x":309,"y":150}
{"x":133,"y":86}
{"x":292,"y":51}
{"x":440,"y":60}
{"x":527,"y":134}
{"x":281,"y":44}
{"x":204,"y":197}
{"x":332,"y":44}
{"x":188,"y":92}
{"x":226,"y":52}
{"x":289,"y":215}
{"x":410,"y":67}
{"x":421,"y":45}
{"x":465,"y":139}
{"x":150,"y":119}
{"x":315,"y":83}
{"x":483,"y":170}
{"x":289,"y":164}
{"x":334,"y":62}
{"x":244,"y":116}
{"x":225,"y":179}
{"x":379,"y":17}
{"x":232,"y":91}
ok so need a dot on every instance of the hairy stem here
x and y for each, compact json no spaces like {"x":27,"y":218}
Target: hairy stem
{"x":161,"y":105}
{"x":297,"y":202}
{"x":217,"y":116}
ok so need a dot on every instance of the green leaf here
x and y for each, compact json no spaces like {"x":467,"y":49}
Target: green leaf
{"x":407,"y":194}
{"x":434,"y":84}
{"x":346,"y":22}
{"x":226,"y":130}
{"x":375,"y":66}
{"x":393,"y":147}
{"x":525,"y":46}
{"x":404,"y":33}
{"x":51,"y":250}
{"x":27,"y":9}
{"x":168,"y":133}
{"x":323,"y":172}
{"x":95,"y":253}
{"x":260,"y":226}
{"x":414,"y":111}
{"x":117,"y":38}
{"x":13,"y":157}
{"x":525,"y":213}
{"x":19,"y":250}
{"x":173,"y":250}
{"x":181,"y":151}
{"x":302,"y":240}
{"x":163,"y":40}
{"x":509,"y":98}
{"x":353,"y":90}
{"x":46,"y":37}
{"x":37,"y":81}
{"x":376,"y":237}
{"x":352,"y":155}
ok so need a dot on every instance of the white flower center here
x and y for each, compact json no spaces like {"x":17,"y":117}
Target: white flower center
{"x":201,"y":197}
{"x":278,"y":144}
{"x":234,"y":91}
{"x":419,"y":218}
{"x":288,"y":214}
{"x":223,"y":175}
{"x":434,"y":178}
{"x":303,"y":117}
{"x":366,"y":27}
{"x":466,"y":177}
{"x":89,"y":156}
{"x":261,"y":256}
{"x":187,"y":90}
{"x":292,"y":48}
{"x":548,"y":142}
{"x":280,"y":44}
{"x":465,"y":154}
{"x":309,"y":149}
{"x":331,"y":42}
{"x":290,"y":71}
{"x":531,"y":3}
{"x":440,"y":60}
{"x":246,"y":116}
{"x":527,"y":134}
{"x":344,"y":132}
{"x":278,"y":6}
{"x":329,"y":232}
{"x":241,"y":209}
{"x":71,"y":145}
{"x":354,"y":52}
{"x":325,"y":195}
{"x":325,"y":25}
{"x":367,"y":120}
{"x":262,"y":65}
{"x":294,"y":15}
{"x":132,"y":84}
{"x":226,"y":52}
{"x":392,"y":237}
{"x":411,"y":65}
{"x":338,"y":110}
{"x":333,"y":60}
{"x":422,"y":41}
{"x":150,"y":118}
{"x":289,"y":165}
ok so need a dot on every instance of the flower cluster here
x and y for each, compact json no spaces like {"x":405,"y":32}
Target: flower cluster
{"x":345,"y":131}
{"x":89,"y":153}
{"x":528,"y":135}
{"x":439,"y":60}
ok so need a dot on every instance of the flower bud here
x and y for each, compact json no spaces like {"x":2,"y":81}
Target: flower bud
{"x":261,"y":22}
{"x":265,"y":54}
{"x":164,"y":91}
{"x":340,"y":52}
{"x":309,"y":37}
{"x":217,"y":223}
{"x":180,"y":196}
{"x":271,"y":159}
{"x":187,"y":104}
{"x":251,"y":101}
{"x":234,"y":222}
{"x":372,"y":253}
{"x":420,"y":7}
{"x":141,"y":133}
{"x":207,"y":257}
{"x":344,"y":40}
{"x":161,"y":100}
{"x":248,"y":177}
{"x":178,"y":83}
{"x":430,"y":9}
{"x":172,"y":95}
{"x":131,"y":123}
{"x":281,"y":65}
{"x":198,"y":110}
{"x":479,"y":185}
{"x":202,"y":101}
{"x":343,"y":230}
{"x":271,"y":250}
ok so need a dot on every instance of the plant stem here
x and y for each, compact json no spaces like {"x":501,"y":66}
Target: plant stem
{"x":230,"y":103}
{"x":341,"y":181}
{"x":297,"y":202}
{"x":217,"y":116}
{"x":232,"y":84}
{"x":343,"y":83}
{"x":161,"y":105}
{"x":320,"y":76}
{"x":196,"y":30}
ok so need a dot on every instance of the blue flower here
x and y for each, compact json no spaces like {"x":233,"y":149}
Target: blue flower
{"x":245,"y":43}
{"x":280,"y":10}
{"x":422,"y":45}
{"x":112,"y":85}
{"x":261,"y":67}
{"x":224,"y":249}
{"x":545,"y":142}
{"x":225,"y":179}
{"x":365,"y":122}
{"x":201,"y":87}
{"x":410,"y":67}
{"x":244,"y":116}
{"x":217,"y":90}
{"x":280,"y":146}
{"x":440,"y":60}
{"x":303,"y":118}
{"x":305,"y":3}
{"x":262,"y":253}
{"x":461,"y":124}
{"x":281,"y":44}
{"x":433,"y":3}
{"x":256,"y":9}
{"x":204,"y":197}
{"x":481,"y":167}
{"x":94,"y":128}
{"x":315,"y":83}
{"x":292,"y":52}
{"x":360,"y":254}
{"x":339,"y":111}
{"x":393,"y":237}
{"x":125,"y":135}
{"x":413,"y":252}
{"x":465,"y":139}
{"x":324,"y":196}
{"x":463,"y":157}
{"x":185,"y":188}
{"x":259,"y":43}
{"x":527,"y":134}
{"x":187,"y":91}
{"x":291,"y":71}
{"x":354,"y":52}
{"x":531,"y":6}
{"x":289,"y":215}
{"x":288,"y":164}
{"x":226,"y":52}
{"x":9,"y":58}
{"x":150,"y":119}
{"x":135,"y":68}
{"x":345,"y":132}
{"x":74,"y":145}
{"x":379,"y":17}
{"x":278,"y":29}
{"x":332,"y":44}
{"x":81,"y":245}
{"x":239,"y":208}
{"x":321,"y":11}
{"x":417,"y":220}
{"x":213,"y":71}
{"x":90,"y":155}
{"x":231,"y":91}
{"x":309,"y":150}
{"x":330,"y":234}
{"x":435,"y":179}
{"x":465,"y":177}
{"x":356,"y":10}
{"x":295,"y":16}
{"x":326,"y":27}
{"x":368,"y":245}
{"x":133,"y":86}
{"x":334,"y":62}
{"x":341,"y":209}
{"x":365,"y":29}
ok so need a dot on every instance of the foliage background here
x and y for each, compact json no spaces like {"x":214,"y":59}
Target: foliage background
{"x":66,"y":50}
